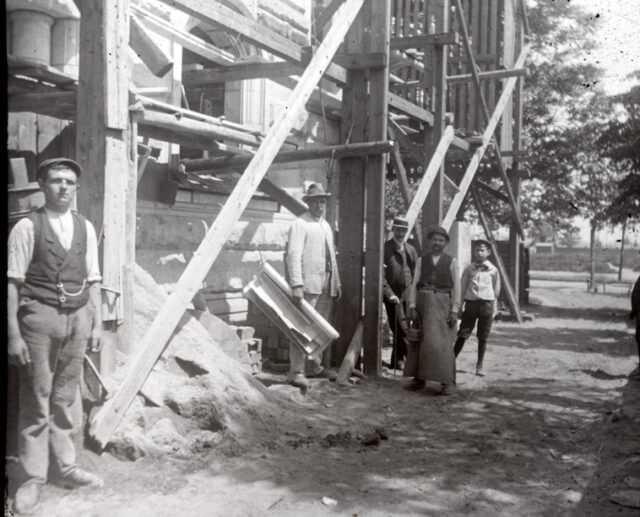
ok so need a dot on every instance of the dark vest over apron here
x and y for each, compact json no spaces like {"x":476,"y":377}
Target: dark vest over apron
{"x":56,"y":276}
{"x":438,"y":276}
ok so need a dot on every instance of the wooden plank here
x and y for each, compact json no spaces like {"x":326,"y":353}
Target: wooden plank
{"x":362,"y":61}
{"x":154,"y":342}
{"x":312,"y":153}
{"x":327,"y":14}
{"x":433,"y":208}
{"x":417,"y":153}
{"x":504,"y":277}
{"x":488,"y":188}
{"x":488,"y":76}
{"x":240,"y":72}
{"x":215,"y":13}
{"x":405,"y":189}
{"x":182,"y":38}
{"x":350,"y":358}
{"x":472,"y":167}
{"x":351,"y":196}
{"x":190,"y":127}
{"x":378,"y":20}
{"x":115,"y":32}
{"x":59,"y":104}
{"x":147,"y":49}
{"x":429,"y":176}
{"x":105,"y":155}
{"x":410,"y":109}
{"x":19,"y":173}
{"x":423,"y":40}
{"x":23,"y":66}
{"x":295,"y":206}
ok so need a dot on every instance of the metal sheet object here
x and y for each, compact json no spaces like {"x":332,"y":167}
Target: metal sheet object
{"x":303,"y":325}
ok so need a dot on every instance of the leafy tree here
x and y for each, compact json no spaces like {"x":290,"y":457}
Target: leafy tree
{"x":561,"y":85}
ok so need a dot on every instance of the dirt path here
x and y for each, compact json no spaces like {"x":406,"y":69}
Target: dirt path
{"x":552,"y":430}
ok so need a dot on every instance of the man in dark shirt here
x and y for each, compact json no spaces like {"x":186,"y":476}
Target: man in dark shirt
{"x":399,"y":264}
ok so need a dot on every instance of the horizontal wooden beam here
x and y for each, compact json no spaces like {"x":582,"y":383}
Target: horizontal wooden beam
{"x":189,"y":127}
{"x":59,"y":104}
{"x":425,"y":40}
{"x":35,"y":69}
{"x":486,"y":76}
{"x":240,"y":72}
{"x":315,"y":153}
{"x":361,"y":61}
{"x":217,"y":14}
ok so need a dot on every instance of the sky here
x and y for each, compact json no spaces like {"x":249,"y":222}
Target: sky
{"x":618,"y":30}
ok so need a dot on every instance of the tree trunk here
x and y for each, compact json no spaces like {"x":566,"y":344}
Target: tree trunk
{"x":621,"y":262}
{"x":592,"y":261}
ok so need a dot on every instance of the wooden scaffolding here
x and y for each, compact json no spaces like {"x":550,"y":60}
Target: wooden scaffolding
{"x":428,"y":87}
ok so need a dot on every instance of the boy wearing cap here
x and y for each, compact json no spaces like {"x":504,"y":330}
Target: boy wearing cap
{"x":480,"y":288}
{"x":312,"y":271}
{"x":53,"y":306}
{"x":399,"y":265}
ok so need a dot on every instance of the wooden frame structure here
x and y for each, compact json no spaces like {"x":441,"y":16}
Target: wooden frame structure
{"x":442,"y":78}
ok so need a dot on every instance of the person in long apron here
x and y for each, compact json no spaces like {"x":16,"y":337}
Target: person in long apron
{"x":434,"y":301}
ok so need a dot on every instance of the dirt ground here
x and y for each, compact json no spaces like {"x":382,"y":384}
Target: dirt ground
{"x":553,"y":429}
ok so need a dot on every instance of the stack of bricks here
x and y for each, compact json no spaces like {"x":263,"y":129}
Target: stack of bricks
{"x":275,"y":345}
{"x":252,"y":346}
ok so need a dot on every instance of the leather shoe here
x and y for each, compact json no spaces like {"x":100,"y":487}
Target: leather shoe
{"x":79,"y":478}
{"x":300,"y":381}
{"x":27,"y":497}
{"x":448,"y":389}
{"x":414,"y":385}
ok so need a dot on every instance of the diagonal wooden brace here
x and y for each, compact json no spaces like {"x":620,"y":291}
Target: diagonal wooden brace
{"x":108,"y":417}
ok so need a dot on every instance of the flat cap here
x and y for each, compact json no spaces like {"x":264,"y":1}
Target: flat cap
{"x":47,"y":164}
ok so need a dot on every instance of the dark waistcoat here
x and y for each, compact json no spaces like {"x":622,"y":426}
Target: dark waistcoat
{"x":438,"y":276}
{"x":57,"y":276}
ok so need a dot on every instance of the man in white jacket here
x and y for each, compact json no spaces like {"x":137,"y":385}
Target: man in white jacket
{"x":313,"y":275}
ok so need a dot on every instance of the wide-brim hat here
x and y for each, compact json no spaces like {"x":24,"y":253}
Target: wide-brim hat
{"x":315,"y":190}
{"x":47,"y":164}
{"x":401,"y":222}
{"x":438,"y":230}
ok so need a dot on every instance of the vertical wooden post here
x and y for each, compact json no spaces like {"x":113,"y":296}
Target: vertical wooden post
{"x":433,"y":211}
{"x":351,"y":192}
{"x":514,"y":235}
{"x":377,"y":18}
{"x":103,"y":149}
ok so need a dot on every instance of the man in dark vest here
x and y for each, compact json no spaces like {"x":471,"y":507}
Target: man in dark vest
{"x":434,"y":302}
{"x":54,"y":306}
{"x":399,"y":264}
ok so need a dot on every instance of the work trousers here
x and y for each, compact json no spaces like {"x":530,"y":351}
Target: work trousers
{"x":480,"y":311}
{"x":396,"y":314}
{"x":57,"y":340}
{"x":299,"y":363}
